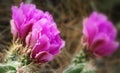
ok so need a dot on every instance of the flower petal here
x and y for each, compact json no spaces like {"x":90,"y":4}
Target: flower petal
{"x":18,"y":16}
{"x":26,"y":28}
{"x":13,"y":28}
{"x":42,"y":45}
{"x":43,"y":56}
{"x":107,"y":49}
{"x":28,"y":38}
{"x":89,"y":30}
{"x":108,"y":28}
{"x":97,"y":17}
{"x":98,"y":41}
{"x":28,"y":9}
{"x":56,"y":44}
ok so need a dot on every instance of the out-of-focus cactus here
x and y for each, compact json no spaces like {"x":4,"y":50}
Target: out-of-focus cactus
{"x":80,"y":64}
{"x":75,"y":68}
{"x":7,"y":69}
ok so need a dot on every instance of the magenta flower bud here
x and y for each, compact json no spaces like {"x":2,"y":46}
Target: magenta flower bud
{"x":23,"y":18}
{"x":99,"y":35}
{"x":44,"y":39}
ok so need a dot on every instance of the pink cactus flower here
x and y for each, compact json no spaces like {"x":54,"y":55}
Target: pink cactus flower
{"x":23,"y":18}
{"x":44,"y":39}
{"x":99,"y":35}
{"x":39,"y":31}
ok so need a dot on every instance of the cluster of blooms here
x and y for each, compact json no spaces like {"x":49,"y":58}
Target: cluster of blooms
{"x":38,"y":30}
{"x":40,"y":33}
{"x":99,"y":35}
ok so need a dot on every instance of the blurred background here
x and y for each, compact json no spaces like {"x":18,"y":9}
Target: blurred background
{"x":68,"y":15}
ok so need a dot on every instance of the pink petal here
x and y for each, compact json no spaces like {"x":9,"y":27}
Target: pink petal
{"x":38,"y":14}
{"x":13,"y":28}
{"x":56,"y":45}
{"x":42,"y":45}
{"x":97,"y":17}
{"x":98,"y":41}
{"x":28,"y":38}
{"x":35,"y":35}
{"x":54,"y":49}
{"x":108,"y":28}
{"x":62,"y":43}
{"x":89,"y":30}
{"x":18,"y":16}
{"x":39,"y":24}
{"x":28,"y":9}
{"x":48,"y":16}
{"x":54,"y":29}
{"x":26,"y":28}
{"x":43,"y":57}
{"x":107,"y":49}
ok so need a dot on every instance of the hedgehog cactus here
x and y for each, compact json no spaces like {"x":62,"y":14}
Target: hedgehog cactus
{"x":36,"y":39}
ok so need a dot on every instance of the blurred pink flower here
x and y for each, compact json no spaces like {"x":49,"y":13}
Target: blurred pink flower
{"x":23,"y":18}
{"x":44,"y":39}
{"x":99,"y":35}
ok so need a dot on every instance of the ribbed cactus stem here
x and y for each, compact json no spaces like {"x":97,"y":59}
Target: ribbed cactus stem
{"x":15,"y":58}
{"x":14,"y":51}
{"x":82,"y":63}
